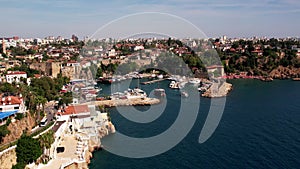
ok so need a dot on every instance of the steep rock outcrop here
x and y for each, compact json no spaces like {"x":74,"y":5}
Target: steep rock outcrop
{"x":285,"y":72}
{"x":16,"y":128}
{"x":8,"y":159}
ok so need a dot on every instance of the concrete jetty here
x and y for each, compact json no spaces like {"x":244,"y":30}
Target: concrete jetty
{"x":127,"y":102}
{"x":217,"y":90}
{"x":152,"y":81}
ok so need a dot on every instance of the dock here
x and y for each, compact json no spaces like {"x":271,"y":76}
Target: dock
{"x":216,"y":91}
{"x":152,"y":81}
{"x":127,"y":102}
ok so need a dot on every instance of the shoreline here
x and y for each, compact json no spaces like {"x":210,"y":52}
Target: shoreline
{"x":80,"y":137}
{"x":262,"y":78}
{"x":91,"y":148}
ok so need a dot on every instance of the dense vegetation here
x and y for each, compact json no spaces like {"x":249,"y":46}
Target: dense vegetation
{"x":4,"y":131}
{"x":256,"y":57}
{"x":271,"y":54}
{"x":28,"y":150}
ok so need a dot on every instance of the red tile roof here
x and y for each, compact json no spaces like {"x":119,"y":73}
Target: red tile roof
{"x":10,"y":100}
{"x":37,"y":76}
{"x":78,"y":109}
{"x":16,"y":73}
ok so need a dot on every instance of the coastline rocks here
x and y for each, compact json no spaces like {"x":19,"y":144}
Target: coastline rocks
{"x":267,"y":79}
{"x":284,"y":72}
{"x":111,"y":128}
{"x":94,"y":144}
{"x":296,"y":79}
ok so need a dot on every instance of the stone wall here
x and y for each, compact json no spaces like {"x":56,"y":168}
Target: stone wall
{"x":38,"y":66}
{"x":53,"y":68}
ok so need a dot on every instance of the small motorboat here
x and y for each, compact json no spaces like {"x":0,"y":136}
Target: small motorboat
{"x":160,"y":76}
{"x":159,"y":92}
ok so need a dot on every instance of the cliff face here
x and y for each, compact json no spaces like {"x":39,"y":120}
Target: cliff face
{"x":8,"y":159}
{"x":16,"y":128}
{"x":285,"y":72}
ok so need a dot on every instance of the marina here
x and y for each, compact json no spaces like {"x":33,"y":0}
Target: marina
{"x":235,"y":128}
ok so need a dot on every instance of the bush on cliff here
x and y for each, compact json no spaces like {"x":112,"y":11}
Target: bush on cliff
{"x":28,"y":150}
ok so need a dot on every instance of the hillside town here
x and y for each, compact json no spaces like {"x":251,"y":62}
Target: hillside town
{"x":50,"y":85}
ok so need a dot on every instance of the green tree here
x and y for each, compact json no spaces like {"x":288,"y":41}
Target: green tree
{"x":40,"y":101}
{"x":46,"y":140}
{"x":28,"y":150}
{"x":19,"y":166}
{"x":7,"y":88}
{"x":99,"y":72}
{"x":67,"y":98}
{"x":3,"y":132}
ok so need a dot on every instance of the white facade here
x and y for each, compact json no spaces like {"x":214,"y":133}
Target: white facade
{"x":15,"y":77}
{"x":73,"y":64}
{"x":136,"y":48}
{"x":19,"y":108}
{"x":112,"y":53}
{"x":11,"y":105}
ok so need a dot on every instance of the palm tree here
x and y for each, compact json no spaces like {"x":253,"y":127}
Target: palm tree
{"x":31,"y":100}
{"x":46,"y":140}
{"x":40,"y":100}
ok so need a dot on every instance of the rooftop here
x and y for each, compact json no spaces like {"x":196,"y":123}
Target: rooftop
{"x":78,"y":109}
{"x":16,"y":73}
{"x":10,"y":100}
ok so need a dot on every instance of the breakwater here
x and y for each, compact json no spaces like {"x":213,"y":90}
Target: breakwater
{"x":128,"y":102}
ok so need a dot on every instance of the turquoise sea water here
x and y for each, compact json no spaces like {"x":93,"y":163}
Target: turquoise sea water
{"x":260,"y":128}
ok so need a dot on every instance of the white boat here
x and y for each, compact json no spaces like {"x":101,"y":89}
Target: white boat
{"x":135,"y":93}
{"x":194,"y":81}
{"x":160,"y":76}
{"x":174,"y":85}
{"x":159,"y":92}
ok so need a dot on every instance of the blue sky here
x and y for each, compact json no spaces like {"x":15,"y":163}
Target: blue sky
{"x":234,"y":18}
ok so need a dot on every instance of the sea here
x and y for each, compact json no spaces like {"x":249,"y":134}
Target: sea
{"x":259,"y":128}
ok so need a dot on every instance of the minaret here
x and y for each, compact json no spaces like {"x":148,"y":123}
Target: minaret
{"x":3,"y":46}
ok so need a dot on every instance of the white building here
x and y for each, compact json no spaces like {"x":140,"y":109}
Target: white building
{"x":73,"y":63}
{"x":11,"y":105}
{"x":15,"y":76}
{"x":136,"y":48}
{"x":112,"y":53}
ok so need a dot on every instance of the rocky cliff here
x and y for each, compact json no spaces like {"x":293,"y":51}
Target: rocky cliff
{"x":285,"y":72}
{"x":8,"y":159}
{"x":16,"y":128}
